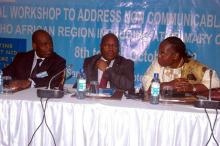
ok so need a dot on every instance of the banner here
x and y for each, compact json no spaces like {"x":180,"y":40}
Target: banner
{"x":77,"y":27}
{"x":9,"y":47}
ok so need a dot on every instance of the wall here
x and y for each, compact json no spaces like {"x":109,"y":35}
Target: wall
{"x":77,"y":26}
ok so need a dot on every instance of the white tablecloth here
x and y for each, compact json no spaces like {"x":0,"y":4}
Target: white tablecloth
{"x":99,"y":122}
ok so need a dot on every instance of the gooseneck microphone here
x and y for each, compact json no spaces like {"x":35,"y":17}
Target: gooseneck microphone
{"x":210,"y":84}
{"x":209,"y":103}
{"x":51,"y":93}
{"x":49,"y":84}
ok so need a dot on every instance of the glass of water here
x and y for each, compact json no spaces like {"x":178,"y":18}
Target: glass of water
{"x":7,"y":89}
{"x":167,"y":91}
{"x":94,"y":87}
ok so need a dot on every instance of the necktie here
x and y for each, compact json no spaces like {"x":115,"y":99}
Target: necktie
{"x":103,"y":82}
{"x":36,"y":69}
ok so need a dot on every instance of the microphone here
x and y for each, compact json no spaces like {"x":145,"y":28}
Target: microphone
{"x":208,"y":103}
{"x":55,"y":93}
{"x":210,"y":84}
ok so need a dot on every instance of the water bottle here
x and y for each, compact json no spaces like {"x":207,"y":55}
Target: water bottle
{"x":155,"y":89}
{"x":81,"y":84}
{"x":1,"y":81}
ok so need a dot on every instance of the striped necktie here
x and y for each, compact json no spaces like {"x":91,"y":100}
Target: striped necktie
{"x":36,"y":69}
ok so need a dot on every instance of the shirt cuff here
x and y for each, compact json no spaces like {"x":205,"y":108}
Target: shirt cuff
{"x":32,"y":83}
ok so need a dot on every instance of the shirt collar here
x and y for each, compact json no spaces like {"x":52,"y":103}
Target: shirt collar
{"x":111,"y":63}
{"x":37,"y":57}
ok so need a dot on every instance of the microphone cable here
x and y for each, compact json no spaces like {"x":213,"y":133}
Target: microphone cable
{"x":40,"y":122}
{"x":43,"y":118}
{"x":212,"y":127}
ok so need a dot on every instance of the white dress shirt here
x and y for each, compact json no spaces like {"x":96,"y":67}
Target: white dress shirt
{"x":33,"y":65}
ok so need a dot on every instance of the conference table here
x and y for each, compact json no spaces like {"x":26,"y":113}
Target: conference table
{"x":97,"y":121}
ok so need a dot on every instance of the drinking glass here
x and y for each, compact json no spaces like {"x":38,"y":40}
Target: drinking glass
{"x":94,"y":87}
{"x":167,"y":91}
{"x":6,"y":85}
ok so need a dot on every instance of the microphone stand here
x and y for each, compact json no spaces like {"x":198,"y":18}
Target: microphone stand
{"x":210,"y":84}
{"x":201,"y":103}
{"x":49,"y":84}
{"x":51,"y":93}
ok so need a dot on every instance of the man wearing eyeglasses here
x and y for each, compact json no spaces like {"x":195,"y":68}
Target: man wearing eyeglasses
{"x":109,"y":68}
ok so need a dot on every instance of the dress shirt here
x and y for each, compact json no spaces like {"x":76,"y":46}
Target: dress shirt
{"x":100,"y":72}
{"x":33,"y":65}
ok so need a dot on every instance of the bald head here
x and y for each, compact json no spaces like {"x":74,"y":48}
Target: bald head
{"x":42,"y":43}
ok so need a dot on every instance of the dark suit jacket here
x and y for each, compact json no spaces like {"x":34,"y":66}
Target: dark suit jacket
{"x":120,"y":75}
{"x":20,"y":69}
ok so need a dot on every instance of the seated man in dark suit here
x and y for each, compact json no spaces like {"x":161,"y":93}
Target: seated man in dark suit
{"x":36,"y":67}
{"x":109,"y":68}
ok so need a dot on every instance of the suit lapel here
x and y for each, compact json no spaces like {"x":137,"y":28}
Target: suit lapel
{"x":92,"y":69}
{"x":95,"y":72}
{"x":116,"y":63}
{"x":115,"y":66}
{"x":45,"y":64}
{"x":94,"y":75}
{"x":29,"y":62}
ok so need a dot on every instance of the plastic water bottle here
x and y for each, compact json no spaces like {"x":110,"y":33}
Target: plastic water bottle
{"x":81,"y":84}
{"x":155,"y":89}
{"x":1,"y":81}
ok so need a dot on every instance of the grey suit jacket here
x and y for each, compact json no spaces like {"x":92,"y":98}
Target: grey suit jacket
{"x":120,"y":75}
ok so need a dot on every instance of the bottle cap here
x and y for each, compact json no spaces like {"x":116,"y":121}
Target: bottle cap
{"x":156,"y":75}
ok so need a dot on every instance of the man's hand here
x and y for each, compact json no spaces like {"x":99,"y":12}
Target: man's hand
{"x":101,"y":64}
{"x":17,"y":85}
